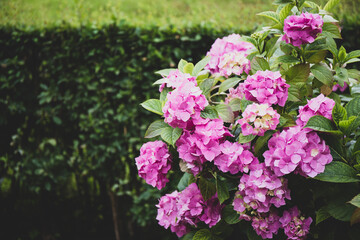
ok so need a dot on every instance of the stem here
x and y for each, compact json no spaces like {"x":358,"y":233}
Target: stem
{"x":114,"y":208}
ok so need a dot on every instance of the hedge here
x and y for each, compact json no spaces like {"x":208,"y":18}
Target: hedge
{"x":71,"y":125}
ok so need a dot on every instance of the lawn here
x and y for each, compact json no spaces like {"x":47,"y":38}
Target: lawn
{"x":239,"y":14}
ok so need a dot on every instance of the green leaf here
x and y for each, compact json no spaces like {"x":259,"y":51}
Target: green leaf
{"x":225,"y":113}
{"x":252,"y":235}
{"x":287,"y":59}
{"x":153,"y":105}
{"x":340,"y":210}
{"x":356,"y":201}
{"x":228,"y":83}
{"x":321,"y":215}
{"x":200,"y":65}
{"x":322,"y":73}
{"x":235,"y":104}
{"x":246,"y":139}
{"x":294,"y":93}
{"x":353,"y":107}
{"x":209,"y":112}
{"x":262,"y":141}
{"x":341,"y":76}
{"x":155,"y":128}
{"x":330,"y":42}
{"x":188,"y":236}
{"x":222,"y":191}
{"x":298,"y":73}
{"x":271,"y":46}
{"x":57,"y":120}
{"x":202,"y":234}
{"x":229,"y":215}
{"x":188,"y":68}
{"x":338,"y":172}
{"x":165,"y":72}
{"x":355,"y":217}
{"x":270,"y":15}
{"x":321,"y":124}
{"x":207,"y":188}
{"x":184,"y":181}
{"x":206,"y":86}
{"x":356,"y":146}
{"x":249,"y":39}
{"x":259,"y":64}
{"x":331,"y":4}
{"x":244,"y":103}
{"x":285,"y":12}
{"x":342,"y":54}
{"x":338,"y":113}
{"x":351,"y":55}
{"x":163,"y":94}
{"x":279,"y":2}
{"x":349,"y":126}
{"x":171,"y":135}
{"x":315,"y":56}
{"x":182,"y":64}
{"x":331,"y":30}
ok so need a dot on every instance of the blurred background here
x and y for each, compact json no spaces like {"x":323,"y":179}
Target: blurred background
{"x":72,"y":76}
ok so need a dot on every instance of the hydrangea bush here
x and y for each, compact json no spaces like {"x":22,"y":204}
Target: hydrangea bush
{"x":262,"y":135}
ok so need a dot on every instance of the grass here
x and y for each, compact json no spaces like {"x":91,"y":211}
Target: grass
{"x":239,"y":14}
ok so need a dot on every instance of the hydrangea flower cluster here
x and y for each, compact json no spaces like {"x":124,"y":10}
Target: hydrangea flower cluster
{"x":266,"y":87}
{"x":296,"y":149}
{"x":320,"y":105}
{"x":228,"y":56}
{"x":266,"y":224}
{"x":184,"y":103}
{"x":260,"y":190}
{"x":180,"y":210}
{"x":201,"y":144}
{"x":154,"y":163}
{"x":257,"y":119}
{"x":340,"y":88}
{"x":176,"y":78}
{"x":294,"y":225}
{"x":235,"y":158}
{"x":303,"y":29}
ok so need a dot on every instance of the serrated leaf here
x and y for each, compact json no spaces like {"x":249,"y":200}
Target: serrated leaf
{"x":349,"y":126}
{"x":330,"y":5}
{"x":246,"y":139}
{"x":228,"y":83}
{"x":235,"y":104}
{"x":229,"y":215}
{"x":270,"y":15}
{"x":329,"y":19}
{"x":322,"y":124}
{"x":315,"y":56}
{"x":287,"y":59}
{"x":171,"y":135}
{"x":200,"y":65}
{"x":207,"y":188}
{"x":279,"y":2}
{"x":338,"y":172}
{"x":338,"y":113}
{"x":206,"y":86}
{"x":331,"y":30}
{"x":340,"y":210}
{"x":184,"y":181}
{"x":188,"y":236}
{"x":249,"y":39}
{"x":322,"y":215}
{"x":155,"y":128}
{"x":202,"y":234}
{"x":356,"y":201}
{"x":322,"y":73}
{"x":165,"y":72}
{"x":341,"y":76}
{"x":353,"y":107}
{"x":351,"y":55}
{"x":188,"y":68}
{"x":222,"y":191}
{"x":293,"y":93}
{"x":153,"y":105}
{"x":182,"y":64}
{"x":262,"y":141}
{"x":244,"y":103}
{"x":225,"y":113}
{"x":259,"y":64}
{"x":285,"y":12}
{"x":271,"y":46}
{"x":209,"y":112}
{"x":298,"y":73}
{"x":330,"y":42}
{"x":252,"y":235}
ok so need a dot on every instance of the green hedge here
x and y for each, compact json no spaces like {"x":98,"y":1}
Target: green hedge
{"x":71,"y":125}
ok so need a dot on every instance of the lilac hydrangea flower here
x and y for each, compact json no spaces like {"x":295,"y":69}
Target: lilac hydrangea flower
{"x":259,"y":190}
{"x":266,"y":224}
{"x":303,"y":29}
{"x":297,"y":150}
{"x":257,"y":119}
{"x":176,"y":78}
{"x":295,"y":226}
{"x":320,"y":105}
{"x":228,"y":56}
{"x":153,"y":163}
{"x":234,"y":158}
{"x":266,"y":87}
{"x":183,"y":104}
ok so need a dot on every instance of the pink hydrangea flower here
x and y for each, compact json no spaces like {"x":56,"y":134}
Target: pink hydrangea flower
{"x":176,"y":78}
{"x":235,"y":93}
{"x":153,"y":163}
{"x":266,"y":87}
{"x":295,"y":226}
{"x":259,"y":190}
{"x":303,"y":29}
{"x":257,"y":119}
{"x":320,"y":105}
{"x":297,"y":150}
{"x":340,"y":88}
{"x":168,"y":210}
{"x":201,"y":144}
{"x":228,"y":56}
{"x":266,"y":225}
{"x":191,"y":204}
{"x":234,"y":158}
{"x":183,"y":104}
{"x":212,"y":211}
